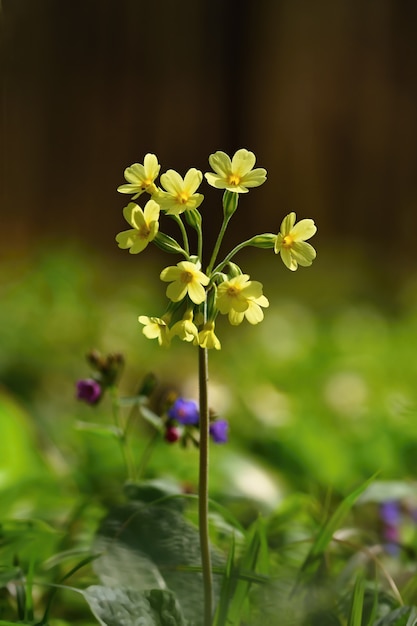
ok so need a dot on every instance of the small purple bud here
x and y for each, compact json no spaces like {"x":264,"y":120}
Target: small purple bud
{"x":219,"y":430}
{"x":172,"y":434}
{"x":88,"y":390}
{"x":185,"y":412}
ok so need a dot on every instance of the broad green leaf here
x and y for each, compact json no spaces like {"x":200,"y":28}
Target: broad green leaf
{"x":148,"y":546}
{"x":127,"y":607}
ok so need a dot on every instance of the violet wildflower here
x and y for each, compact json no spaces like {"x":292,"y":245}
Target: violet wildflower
{"x":219,"y":430}
{"x":390,"y":516}
{"x":89,"y":390}
{"x":185,"y":412}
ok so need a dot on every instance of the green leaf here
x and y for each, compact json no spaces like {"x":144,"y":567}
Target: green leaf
{"x":327,"y":531}
{"x":148,"y":546}
{"x":105,"y":430}
{"x":356,"y":609}
{"x":404,"y":616}
{"x":127,"y":607}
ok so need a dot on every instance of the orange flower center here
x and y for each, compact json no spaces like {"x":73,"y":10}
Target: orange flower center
{"x":187,"y":277}
{"x":234,"y":180}
{"x":183,"y":197}
{"x":287,"y":241}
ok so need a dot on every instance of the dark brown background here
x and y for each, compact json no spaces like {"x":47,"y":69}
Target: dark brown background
{"x":324,"y":92}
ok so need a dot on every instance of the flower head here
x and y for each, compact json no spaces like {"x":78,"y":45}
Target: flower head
{"x":145,"y":226}
{"x":291,"y":242}
{"x":234,"y":295}
{"x":207,"y":337}
{"x":253,"y":313}
{"x":89,"y":390}
{"x":141,"y":178}
{"x":185,"y":329}
{"x":185,"y":278}
{"x":156,"y":328}
{"x":219,"y":430}
{"x":185,"y":412}
{"x":237,"y":174}
{"x":180,"y":194}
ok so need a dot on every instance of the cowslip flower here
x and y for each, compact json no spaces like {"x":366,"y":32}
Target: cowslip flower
{"x":219,"y":430}
{"x":89,"y":390}
{"x":145,"y":226}
{"x":207,"y":337}
{"x":185,"y":329}
{"x":180,"y":194}
{"x":291,"y":242}
{"x":233,"y":295}
{"x":141,"y":178}
{"x":253,"y":313}
{"x":156,"y":328}
{"x":185,"y":412}
{"x":237,"y":174}
{"x":185,"y":278}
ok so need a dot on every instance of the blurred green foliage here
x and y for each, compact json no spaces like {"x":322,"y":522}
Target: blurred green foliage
{"x":320,"y":397}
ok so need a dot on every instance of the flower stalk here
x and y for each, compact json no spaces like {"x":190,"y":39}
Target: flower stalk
{"x":197,"y":297}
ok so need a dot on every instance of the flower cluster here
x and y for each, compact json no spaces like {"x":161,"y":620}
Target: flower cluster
{"x":106,"y":371}
{"x":196,"y":296}
{"x":183,"y":421}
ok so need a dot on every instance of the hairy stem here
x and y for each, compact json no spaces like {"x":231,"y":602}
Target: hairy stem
{"x":203,"y":487}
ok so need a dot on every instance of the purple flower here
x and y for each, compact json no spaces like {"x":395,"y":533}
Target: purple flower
{"x":185,"y":412}
{"x":391,"y":517}
{"x":219,"y":430}
{"x":89,"y":390}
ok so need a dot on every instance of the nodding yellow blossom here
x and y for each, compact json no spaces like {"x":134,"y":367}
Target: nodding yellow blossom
{"x":145,"y":226}
{"x":185,"y":329}
{"x":180,"y":193}
{"x":185,"y":278}
{"x":237,"y":174}
{"x":207,"y":337}
{"x":235,"y":294}
{"x":156,"y":328}
{"x":253,"y":313}
{"x":291,"y":242}
{"x":141,"y":178}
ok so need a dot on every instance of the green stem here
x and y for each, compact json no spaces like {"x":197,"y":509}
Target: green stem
{"x":147,"y":453}
{"x":183,"y":232}
{"x":125,"y":448}
{"x":199,"y":243}
{"x":231,"y":254}
{"x":218,"y":244}
{"x":203,"y":487}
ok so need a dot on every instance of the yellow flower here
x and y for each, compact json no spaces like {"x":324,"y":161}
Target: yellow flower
{"x":185,"y":328}
{"x":141,"y":178}
{"x":291,"y":242}
{"x":234,"y":294}
{"x":145,"y":226}
{"x":185,"y":277}
{"x":156,"y":328}
{"x":207,"y":338}
{"x":253,"y":313}
{"x":237,"y":174}
{"x":180,"y":193}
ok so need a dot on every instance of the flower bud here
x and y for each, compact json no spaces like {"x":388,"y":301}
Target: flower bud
{"x":89,"y":390}
{"x":167,"y":243}
{"x":230,"y":202}
{"x":219,"y":430}
{"x":267,"y":240}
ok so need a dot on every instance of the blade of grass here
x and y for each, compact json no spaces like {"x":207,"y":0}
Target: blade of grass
{"x":220,"y":618}
{"x":356,"y":607}
{"x":327,"y":531}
